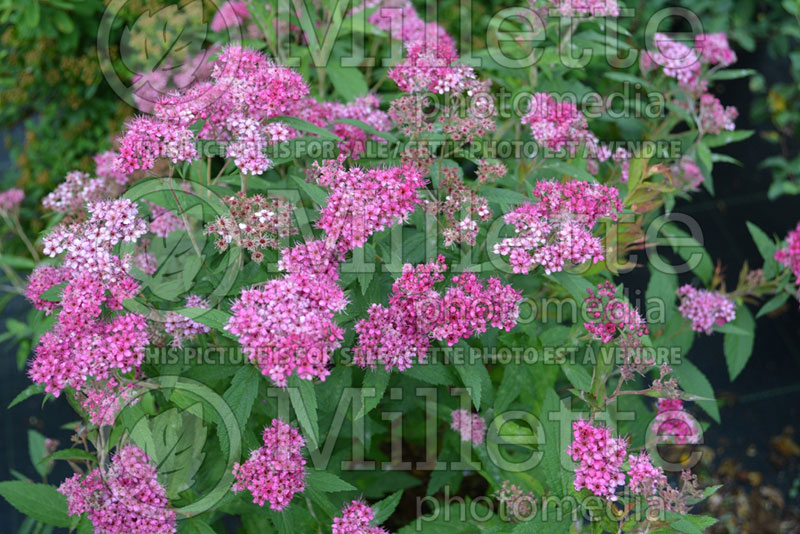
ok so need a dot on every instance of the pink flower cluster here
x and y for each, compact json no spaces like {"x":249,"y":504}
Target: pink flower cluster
{"x":556,"y":124}
{"x":164,"y":222}
{"x":600,"y":457}
{"x":518,"y":504}
{"x":10,"y":199}
{"x":714,"y":118}
{"x":686,"y":174}
{"x":245,"y":90}
{"x":78,"y":190}
{"x":592,"y":8}
{"x":705,"y":308}
{"x":356,"y":519}
{"x":417,"y":312}
{"x":254,"y":223}
{"x":181,"y":327}
{"x":674,"y":423}
{"x":790,"y":255}
{"x":87,"y":347}
{"x":125,"y":498}
{"x":646,"y":479}
{"x":362,"y":202}
{"x":558,"y":228}
{"x":459,"y":201}
{"x":431,"y":61}
{"x":677,"y":61}
{"x":471,"y":427}
{"x":287,"y":325}
{"x":232,"y":13}
{"x":714,"y":49}
{"x":276,"y":471}
{"x":613,"y":319}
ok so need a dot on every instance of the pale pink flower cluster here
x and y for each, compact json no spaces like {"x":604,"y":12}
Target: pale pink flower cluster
{"x":431,"y":60}
{"x":714,"y":117}
{"x":518,"y":504}
{"x":677,"y":61}
{"x":686,"y":174}
{"x":714,"y":48}
{"x":646,"y":479}
{"x":600,"y":457}
{"x":362,"y":202}
{"x":675,"y":423}
{"x":245,"y":90}
{"x":287,"y":325}
{"x":356,"y":518}
{"x":229,"y":14}
{"x":10,"y":199}
{"x":461,"y":206}
{"x":592,"y":8}
{"x":106,"y":398}
{"x":417,"y":313}
{"x":558,"y":229}
{"x":126,"y":498}
{"x":181,"y":327}
{"x":790,"y":255}
{"x":253,"y":223}
{"x":470,"y":426}
{"x":705,"y":308}
{"x":78,"y":190}
{"x":556,"y":124}
{"x":163,"y":221}
{"x":104,"y":168}
{"x":275,"y":472}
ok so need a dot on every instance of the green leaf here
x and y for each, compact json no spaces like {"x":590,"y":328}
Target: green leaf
{"x":739,"y":346}
{"x":568,"y":169}
{"x":300,"y":124}
{"x":368,"y":128}
{"x":348,"y":81}
{"x":384,"y":509}
{"x":193,"y":525}
{"x":314,"y":192}
{"x":304,"y":401}
{"x":550,"y":444}
{"x":28,"y":392}
{"x":212,"y":318}
{"x":507,"y":196}
{"x":242,"y":393}
{"x":692,"y":380}
{"x":36,"y":451}
{"x":17,"y":262}
{"x":773,"y":304}
{"x":376,"y":380}
{"x":687,"y":248}
{"x":473,"y":374}
{"x":724,"y":138}
{"x":70,"y":454}
{"x":39,"y":501}
{"x":766,"y":247}
{"x":54,"y":293}
{"x":327,"y":482}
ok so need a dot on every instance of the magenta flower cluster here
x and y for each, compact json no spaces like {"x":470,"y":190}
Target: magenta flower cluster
{"x":10,"y":199}
{"x":287,"y":325}
{"x":356,"y":518}
{"x":705,"y":308}
{"x":600,"y":458}
{"x":556,"y":124}
{"x":558,"y":229}
{"x":276,"y":471}
{"x":417,"y":313}
{"x":126,"y":498}
{"x":470,"y":426}
{"x":613,"y":319}
{"x":362,"y":202}
{"x":790,"y":255}
{"x":673,"y":423}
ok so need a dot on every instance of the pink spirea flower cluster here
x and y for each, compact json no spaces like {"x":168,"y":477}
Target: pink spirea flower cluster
{"x":417,"y":313}
{"x":245,"y":90}
{"x":104,"y":168}
{"x":287,"y":325}
{"x":125,"y":498}
{"x":613,"y":319}
{"x":362,"y":202}
{"x":705,"y":308}
{"x":674,"y":423}
{"x":275,"y":472}
{"x":714,"y":48}
{"x":356,"y":518}
{"x":592,"y":8}
{"x":163,"y":221}
{"x":556,"y":124}
{"x":518,"y":504}
{"x":645,"y":478}
{"x":600,"y":458}
{"x":714,"y":117}
{"x":78,"y":190}
{"x":230,"y":14}
{"x":790,"y":255}
{"x":678,"y":61}
{"x":470,"y":426}
{"x":183,"y":328}
{"x":558,"y":228}
{"x":686,"y":174}
{"x":431,"y":59}
{"x":10,"y":199}
{"x":87,"y":346}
